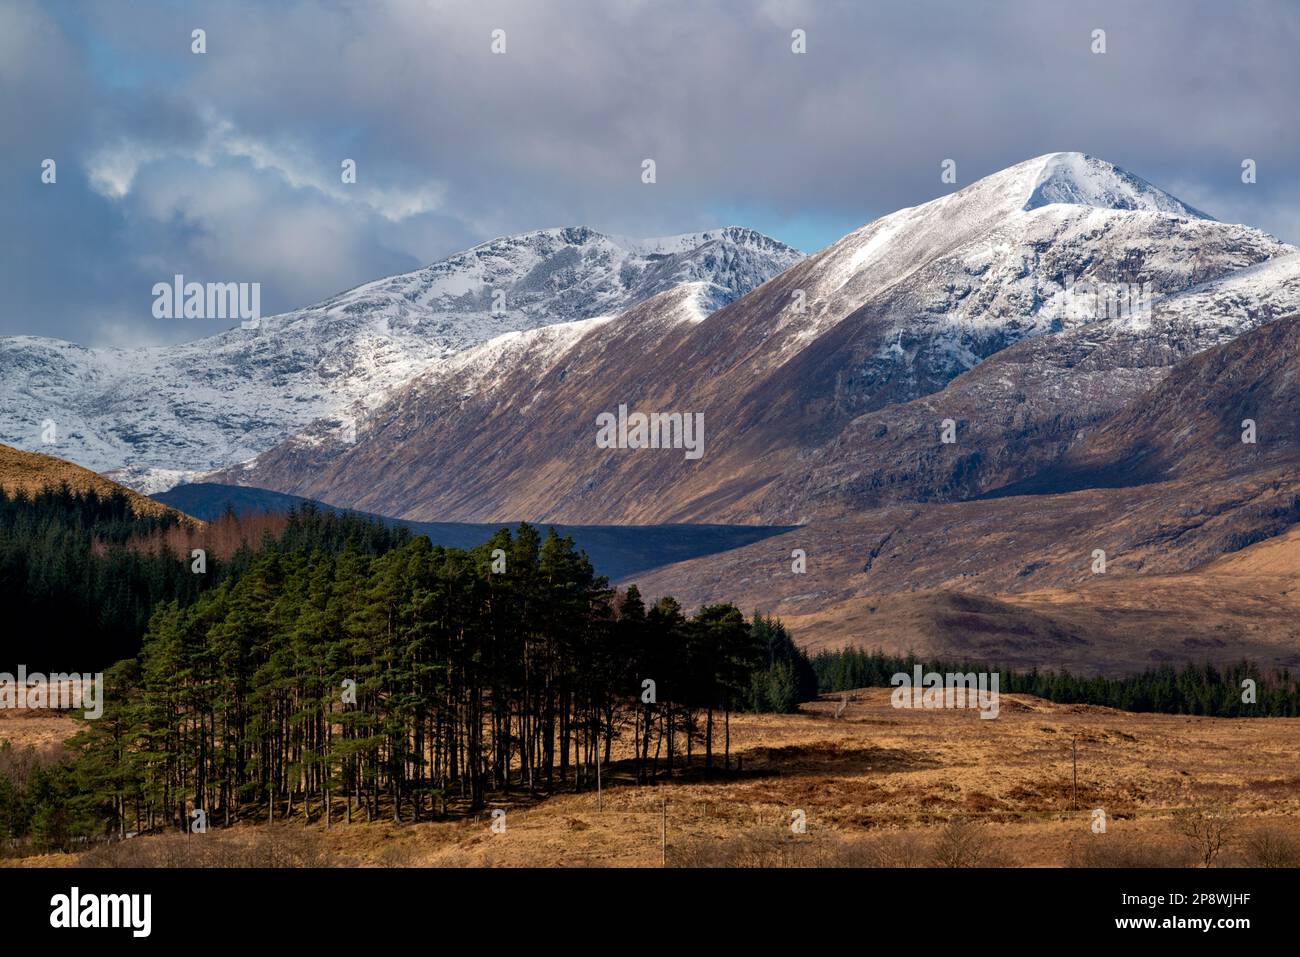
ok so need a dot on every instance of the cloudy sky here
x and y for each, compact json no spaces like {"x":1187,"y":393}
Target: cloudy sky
{"x":225,"y":166}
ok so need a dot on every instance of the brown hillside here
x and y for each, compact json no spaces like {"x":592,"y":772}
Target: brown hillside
{"x":1192,"y":422}
{"x":32,"y":472}
{"x":1010,"y":580}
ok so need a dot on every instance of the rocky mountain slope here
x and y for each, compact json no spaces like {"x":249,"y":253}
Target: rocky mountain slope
{"x":156,"y":416}
{"x":484,"y":406}
{"x":1228,"y":411}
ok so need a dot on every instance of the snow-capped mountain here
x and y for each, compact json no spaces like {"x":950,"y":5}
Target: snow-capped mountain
{"x":156,"y":416}
{"x":890,"y":314}
{"x":955,"y":280}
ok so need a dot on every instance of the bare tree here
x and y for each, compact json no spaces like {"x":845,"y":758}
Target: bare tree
{"x":1208,"y":828}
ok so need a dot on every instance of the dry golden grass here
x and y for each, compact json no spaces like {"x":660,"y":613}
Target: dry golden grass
{"x":35,"y":729}
{"x":32,"y":472}
{"x":882,"y":787}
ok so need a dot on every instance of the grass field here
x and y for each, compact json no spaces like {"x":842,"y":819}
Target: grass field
{"x":878,"y":786}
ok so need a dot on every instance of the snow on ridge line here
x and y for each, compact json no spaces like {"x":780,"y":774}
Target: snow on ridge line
{"x":661,"y":245}
{"x":1082,"y":180}
{"x":1274,"y":268}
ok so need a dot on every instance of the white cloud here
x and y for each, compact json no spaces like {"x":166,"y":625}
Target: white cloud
{"x":112,"y":170}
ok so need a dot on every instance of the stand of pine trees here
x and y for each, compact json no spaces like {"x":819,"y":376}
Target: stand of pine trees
{"x":1203,"y":689}
{"x":335,"y":677}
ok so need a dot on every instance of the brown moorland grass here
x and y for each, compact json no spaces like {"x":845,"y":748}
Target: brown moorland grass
{"x":878,"y":787}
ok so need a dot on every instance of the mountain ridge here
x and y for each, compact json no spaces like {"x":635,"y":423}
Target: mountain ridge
{"x":893,"y":313}
{"x":155,"y":416}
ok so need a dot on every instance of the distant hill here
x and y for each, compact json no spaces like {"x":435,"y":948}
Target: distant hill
{"x":617,"y":551}
{"x":33,"y":472}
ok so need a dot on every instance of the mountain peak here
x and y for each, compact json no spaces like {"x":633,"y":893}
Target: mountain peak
{"x":1082,"y":180}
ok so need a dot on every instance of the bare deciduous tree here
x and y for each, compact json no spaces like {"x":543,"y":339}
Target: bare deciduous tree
{"x":1207,"y":827}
